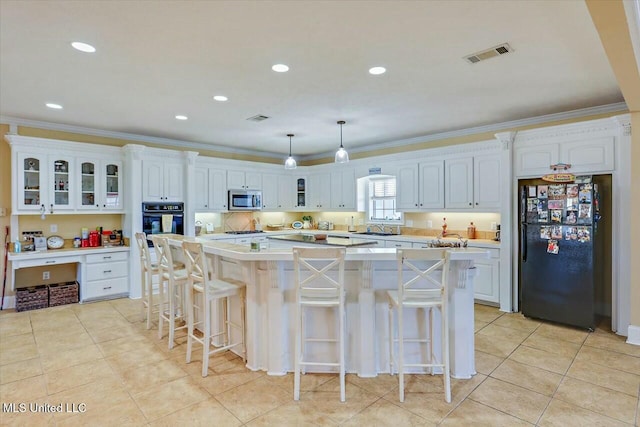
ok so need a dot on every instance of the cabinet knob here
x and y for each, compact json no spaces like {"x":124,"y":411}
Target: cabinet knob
{"x":416,"y":204}
{"x":420,"y":204}
{"x":97,"y":206}
{"x":206,"y":206}
{"x":470,"y":204}
{"x":476,"y":203}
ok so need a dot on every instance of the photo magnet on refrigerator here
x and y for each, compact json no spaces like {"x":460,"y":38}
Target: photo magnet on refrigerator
{"x":552,"y":247}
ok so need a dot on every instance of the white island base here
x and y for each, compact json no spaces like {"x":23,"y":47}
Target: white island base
{"x":369,"y":273}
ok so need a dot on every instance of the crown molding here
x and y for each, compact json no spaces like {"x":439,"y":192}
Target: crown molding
{"x":16,"y":121}
{"x":584,"y":112}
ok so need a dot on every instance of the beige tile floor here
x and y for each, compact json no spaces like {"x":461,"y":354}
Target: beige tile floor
{"x":101,"y":355}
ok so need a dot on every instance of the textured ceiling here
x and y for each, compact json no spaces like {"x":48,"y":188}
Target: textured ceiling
{"x":158,"y":59}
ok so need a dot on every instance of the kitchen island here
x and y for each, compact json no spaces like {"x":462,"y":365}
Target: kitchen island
{"x":369,"y":273}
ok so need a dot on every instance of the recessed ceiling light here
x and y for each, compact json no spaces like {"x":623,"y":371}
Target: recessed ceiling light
{"x":54,"y":106}
{"x":377,"y":70}
{"x":179,"y":117}
{"x":83,"y":47}
{"x":220,"y":98}
{"x":280,"y":68}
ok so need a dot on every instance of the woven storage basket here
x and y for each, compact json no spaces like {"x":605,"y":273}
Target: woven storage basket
{"x":63,"y":293}
{"x":32,"y":298}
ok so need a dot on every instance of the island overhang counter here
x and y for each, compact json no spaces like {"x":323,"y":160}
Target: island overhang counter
{"x":369,"y":273}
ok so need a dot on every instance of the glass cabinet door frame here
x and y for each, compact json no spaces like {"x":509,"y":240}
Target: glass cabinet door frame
{"x":38,"y":197}
{"x":82,"y":175}
{"x":61,"y":182}
{"x":111,"y":195}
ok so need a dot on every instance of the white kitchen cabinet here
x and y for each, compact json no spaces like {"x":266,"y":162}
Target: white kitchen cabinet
{"x":46,"y":183}
{"x":33,"y":182}
{"x":319,"y":191}
{"x":473,"y":183}
{"x":99,"y":185}
{"x":211,"y":192}
{"x":48,"y":177}
{"x":407,"y":188}
{"x":343,"y":190}
{"x":244,"y":180}
{"x":486,"y":182}
{"x":585,"y":156}
{"x":201,"y":178}
{"x":459,"y":183}
{"x":301,"y":192}
{"x":420,"y":186}
{"x":106,"y":276}
{"x":162,"y":181}
{"x":487,"y":282}
{"x":277,"y":193}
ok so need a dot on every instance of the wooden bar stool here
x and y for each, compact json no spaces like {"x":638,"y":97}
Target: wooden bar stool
{"x":203,"y":294}
{"x":171,"y":299}
{"x":427,"y":291}
{"x":316,"y":288}
{"x":147,"y":271}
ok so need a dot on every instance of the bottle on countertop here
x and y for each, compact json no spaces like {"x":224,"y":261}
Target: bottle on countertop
{"x":471,"y":231}
{"x":444,"y":227}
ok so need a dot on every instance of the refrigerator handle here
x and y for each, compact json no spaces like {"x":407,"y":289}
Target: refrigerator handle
{"x":523,"y":242}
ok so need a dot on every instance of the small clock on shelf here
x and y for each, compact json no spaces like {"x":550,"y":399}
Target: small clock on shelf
{"x":55,"y":242}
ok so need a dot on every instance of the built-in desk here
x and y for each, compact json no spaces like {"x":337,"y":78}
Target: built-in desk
{"x":102,"y":272}
{"x":369,"y":273}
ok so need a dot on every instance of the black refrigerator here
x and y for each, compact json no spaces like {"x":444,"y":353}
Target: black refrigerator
{"x":562,"y":270}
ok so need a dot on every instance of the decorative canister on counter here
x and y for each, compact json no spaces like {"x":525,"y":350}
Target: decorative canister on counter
{"x":76,"y":242}
{"x":471,"y":231}
{"x":93,"y":239}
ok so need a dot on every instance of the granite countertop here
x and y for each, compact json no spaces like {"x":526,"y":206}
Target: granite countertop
{"x":345,"y":241}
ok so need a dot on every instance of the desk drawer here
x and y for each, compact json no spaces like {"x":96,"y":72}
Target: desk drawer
{"x":47,"y":261}
{"x":107,"y":270}
{"x":107,"y":257}
{"x":104,"y":288}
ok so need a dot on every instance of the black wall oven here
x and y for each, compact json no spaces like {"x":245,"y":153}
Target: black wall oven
{"x":158,"y":218}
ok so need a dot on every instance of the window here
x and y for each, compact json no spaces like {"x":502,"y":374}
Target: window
{"x":382,"y":201}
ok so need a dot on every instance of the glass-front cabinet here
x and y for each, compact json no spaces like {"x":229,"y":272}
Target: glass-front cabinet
{"x":32,"y":178}
{"x":61,"y":184}
{"x":100,"y":185}
{"x":88,"y":174}
{"x":112,"y":185}
{"x":301,"y":193}
{"x":44,"y":183}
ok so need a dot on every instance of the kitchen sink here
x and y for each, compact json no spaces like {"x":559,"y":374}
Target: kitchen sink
{"x":375,"y":233}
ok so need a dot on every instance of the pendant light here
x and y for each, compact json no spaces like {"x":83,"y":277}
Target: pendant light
{"x":290,"y":163}
{"x":341,"y":155}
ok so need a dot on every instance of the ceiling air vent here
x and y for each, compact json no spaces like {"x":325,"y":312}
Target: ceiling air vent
{"x":258,"y":118}
{"x":489,"y":53}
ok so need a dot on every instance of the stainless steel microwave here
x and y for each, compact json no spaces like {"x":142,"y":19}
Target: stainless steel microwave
{"x":245,"y":200}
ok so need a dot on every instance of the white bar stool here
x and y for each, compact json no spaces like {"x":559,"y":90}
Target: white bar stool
{"x":147,"y":271}
{"x":208,"y":290}
{"x":423,"y":290}
{"x":171,"y":302}
{"x":316,"y":288}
